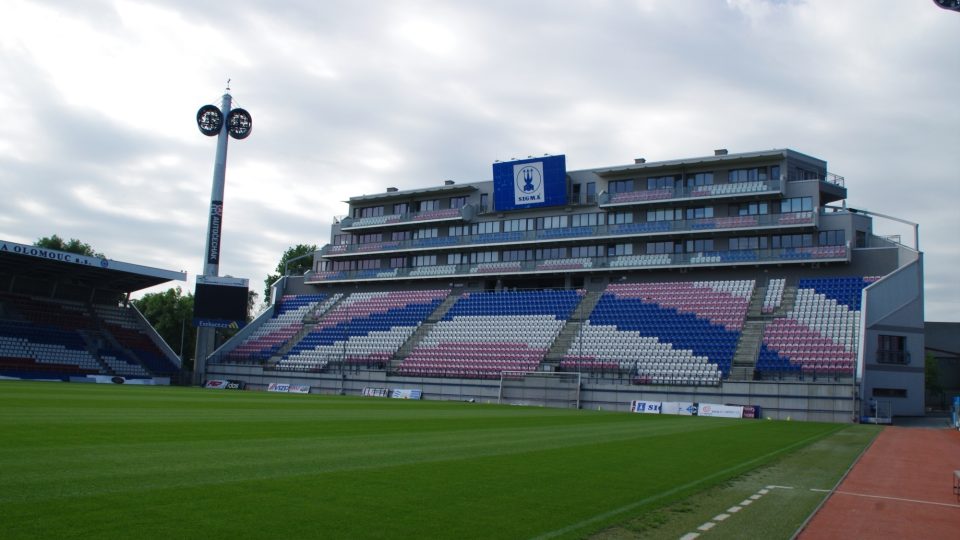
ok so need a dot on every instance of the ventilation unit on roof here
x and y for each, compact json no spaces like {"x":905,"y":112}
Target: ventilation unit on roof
{"x":640,"y":160}
{"x":720,"y":152}
{"x":448,"y":182}
{"x":391,"y":190}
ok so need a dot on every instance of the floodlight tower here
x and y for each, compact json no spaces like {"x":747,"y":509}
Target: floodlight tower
{"x":222,"y":122}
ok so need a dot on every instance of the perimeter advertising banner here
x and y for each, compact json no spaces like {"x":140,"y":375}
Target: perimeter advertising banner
{"x":682,"y":408}
{"x":720,"y":411}
{"x":530,"y":183}
{"x":645,"y":407}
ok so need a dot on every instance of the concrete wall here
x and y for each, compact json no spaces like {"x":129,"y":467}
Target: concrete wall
{"x":820,"y":402}
{"x":894,"y":306}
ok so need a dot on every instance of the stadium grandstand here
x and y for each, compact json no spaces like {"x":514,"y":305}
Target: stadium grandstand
{"x":68,"y":317}
{"x":731,"y":278}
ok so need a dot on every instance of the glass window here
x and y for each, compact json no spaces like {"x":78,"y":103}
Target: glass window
{"x":398,"y":262}
{"x":486,"y":227}
{"x":700,"y":179}
{"x":586,"y":220}
{"x":513,"y":225}
{"x":619,"y":218}
{"x":700,"y":212}
{"x":661,"y":182}
{"x":698,"y":246}
{"x":484,"y":256}
{"x":552,"y":222}
{"x":551,"y":253}
{"x":586,"y":251}
{"x":458,"y":202}
{"x":748,"y":242}
{"x":618,"y":186}
{"x":370,"y":211}
{"x":752,"y":208}
{"x":426,"y":206}
{"x":657,"y":248}
{"x":591,"y":192}
{"x":518,"y":255}
{"x":369,"y":238}
{"x":792,"y":241}
{"x":425,"y":260}
{"x":401,"y":208}
{"x":426,"y":233}
{"x":484,"y":201}
{"x":796,"y":204}
{"x":619,"y":249}
{"x":892,"y":349}
{"x":832,"y":238}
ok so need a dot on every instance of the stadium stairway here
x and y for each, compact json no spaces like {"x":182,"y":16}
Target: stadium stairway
{"x":309,"y":322}
{"x":748,"y":350}
{"x":423,"y":330}
{"x":572,"y":328}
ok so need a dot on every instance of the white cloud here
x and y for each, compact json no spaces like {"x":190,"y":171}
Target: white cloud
{"x":98,"y":98}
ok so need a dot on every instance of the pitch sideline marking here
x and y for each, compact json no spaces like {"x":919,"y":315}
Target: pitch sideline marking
{"x":719,"y":518}
{"x":646,"y":500}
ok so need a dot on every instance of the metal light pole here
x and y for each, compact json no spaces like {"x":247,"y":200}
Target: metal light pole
{"x":221,"y":122}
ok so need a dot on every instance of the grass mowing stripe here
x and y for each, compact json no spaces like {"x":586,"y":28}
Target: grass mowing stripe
{"x":741,"y":467}
{"x":101,"y":461}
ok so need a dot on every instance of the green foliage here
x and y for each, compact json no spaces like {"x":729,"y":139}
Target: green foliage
{"x":171,"y":314}
{"x":71,"y":246}
{"x":296,"y":268}
{"x":97,"y":461}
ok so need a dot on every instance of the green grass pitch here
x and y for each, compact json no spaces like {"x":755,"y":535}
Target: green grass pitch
{"x":97,"y":461}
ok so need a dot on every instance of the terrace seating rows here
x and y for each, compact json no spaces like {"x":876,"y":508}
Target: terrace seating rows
{"x":485,"y":333}
{"x":565,"y":264}
{"x":367,"y":327}
{"x":437,"y":214}
{"x":652,"y":328}
{"x":643,"y":195}
{"x":54,"y":332}
{"x":821,"y":334}
{"x":774,"y":297}
{"x":642,"y":260}
{"x":126,"y":327}
{"x":507,"y":266}
{"x":285,"y":323}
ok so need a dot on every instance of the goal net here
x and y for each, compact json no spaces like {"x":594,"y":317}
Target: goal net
{"x":541,"y":388}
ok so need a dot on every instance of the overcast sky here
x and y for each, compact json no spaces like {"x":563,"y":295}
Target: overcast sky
{"x":98,"y":139}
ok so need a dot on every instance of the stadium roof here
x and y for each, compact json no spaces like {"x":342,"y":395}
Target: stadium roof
{"x":719,"y":155}
{"x":35,"y":262}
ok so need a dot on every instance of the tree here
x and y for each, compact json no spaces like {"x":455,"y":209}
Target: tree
{"x":71,"y":246}
{"x":934,"y":389}
{"x":171,"y":314}
{"x":299,"y":266}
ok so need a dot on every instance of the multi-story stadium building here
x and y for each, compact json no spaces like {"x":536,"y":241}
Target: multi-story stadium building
{"x":731,"y":278}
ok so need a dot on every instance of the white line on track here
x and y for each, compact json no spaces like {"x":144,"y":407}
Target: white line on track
{"x":901,"y":499}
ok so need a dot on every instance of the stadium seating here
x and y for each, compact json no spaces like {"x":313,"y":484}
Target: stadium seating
{"x":363,"y":329}
{"x":665,"y":333}
{"x":820,"y":335}
{"x":486,"y":333}
{"x":286,"y":322}
{"x":42,"y":338}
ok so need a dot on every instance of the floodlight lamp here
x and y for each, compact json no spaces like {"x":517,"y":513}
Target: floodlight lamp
{"x":209,"y":120}
{"x":240,"y":123}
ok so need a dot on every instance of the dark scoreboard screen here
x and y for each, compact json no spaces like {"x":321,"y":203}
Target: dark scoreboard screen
{"x":219,"y":305}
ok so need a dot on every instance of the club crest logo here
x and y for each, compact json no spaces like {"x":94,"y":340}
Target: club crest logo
{"x":528,"y":183}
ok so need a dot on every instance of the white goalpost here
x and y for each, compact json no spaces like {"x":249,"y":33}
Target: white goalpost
{"x":541,"y":388}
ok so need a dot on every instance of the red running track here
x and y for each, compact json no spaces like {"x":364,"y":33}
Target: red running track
{"x":901,"y":488}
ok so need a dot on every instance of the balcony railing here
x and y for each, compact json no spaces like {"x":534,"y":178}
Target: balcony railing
{"x":695,"y":192}
{"x":592,"y":264}
{"x":446,"y":214}
{"x":596,"y":232}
